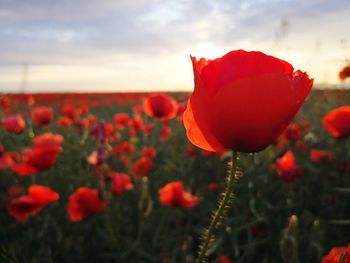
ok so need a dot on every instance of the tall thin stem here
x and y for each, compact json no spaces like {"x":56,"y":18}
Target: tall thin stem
{"x":222,"y":207}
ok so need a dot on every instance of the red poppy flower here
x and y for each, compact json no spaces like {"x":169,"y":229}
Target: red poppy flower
{"x":142,"y":167}
{"x":337,"y":122}
{"x":147,"y":128}
{"x":165,"y":133}
{"x":124,"y":148}
{"x":7,"y":159}
{"x":191,"y":151}
{"x":120,"y":183}
{"x":135,"y":124}
{"x":335,"y":254}
{"x":42,"y":156}
{"x":42,"y":116}
{"x":14,"y":191}
{"x":121,"y":120}
{"x":28,"y":205}
{"x":83,"y":203}
{"x":213,"y":187}
{"x":243,"y":101}
{"x":14,"y":123}
{"x":286,"y":167}
{"x":293,"y":132}
{"x":149,"y":152}
{"x":173,"y":194}
{"x":317,"y":155}
{"x":224,"y":259}
{"x":160,"y":106}
{"x":344,"y":73}
{"x":5,"y":102}
{"x":64,"y":121}
{"x":68,"y":111}
{"x":182,"y":107}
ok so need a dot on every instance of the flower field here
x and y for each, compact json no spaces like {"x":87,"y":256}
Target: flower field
{"x":113,"y":178}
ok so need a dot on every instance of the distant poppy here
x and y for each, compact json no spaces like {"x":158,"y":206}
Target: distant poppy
{"x":41,"y":156}
{"x":83,"y":203}
{"x":5,"y":102}
{"x":224,"y":259}
{"x":191,"y":151}
{"x":317,"y":155}
{"x":64,"y":121}
{"x":165,"y":133}
{"x":14,"y":191}
{"x":149,"y":152}
{"x":124,"y":148}
{"x":337,"y":122}
{"x":7,"y":159}
{"x":293,"y":132}
{"x":28,"y":205}
{"x":121,"y":120}
{"x":213,"y":187}
{"x":160,"y":106}
{"x":173,"y":194}
{"x":42,"y":116}
{"x":243,"y":101}
{"x":182,"y":107}
{"x":142,"y":167}
{"x":286,"y":167}
{"x":147,"y":128}
{"x":120,"y":183}
{"x":14,"y":123}
{"x":344,"y":73}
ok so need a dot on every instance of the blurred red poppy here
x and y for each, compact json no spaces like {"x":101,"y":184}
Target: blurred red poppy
{"x":243,"y":101}
{"x":28,"y":205}
{"x":335,"y":254}
{"x":337,"y":122}
{"x":142,"y":167}
{"x":121,"y":120}
{"x":83,"y":203}
{"x":14,"y":123}
{"x":344,"y":73}
{"x":319,"y":155}
{"x":224,"y":259}
{"x":213,"y":187}
{"x":293,"y":132}
{"x":182,"y":107}
{"x":147,"y":128}
{"x":191,"y":151}
{"x":122,"y":149}
{"x":64,"y":121}
{"x":149,"y":152}
{"x":286,"y":168}
{"x":14,"y":191}
{"x":7,"y":159}
{"x":120,"y":183}
{"x":42,"y":116}
{"x":165,"y":133}
{"x":40,"y":157}
{"x":173,"y":194}
{"x":160,"y":106}
{"x":5,"y":102}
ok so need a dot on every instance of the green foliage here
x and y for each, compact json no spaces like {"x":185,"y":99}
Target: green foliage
{"x":257,"y":226}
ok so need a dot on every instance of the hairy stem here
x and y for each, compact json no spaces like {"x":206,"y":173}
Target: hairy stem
{"x":221,"y":209}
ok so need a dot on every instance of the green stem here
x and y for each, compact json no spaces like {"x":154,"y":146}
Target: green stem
{"x":343,"y":257}
{"x":221,"y":209}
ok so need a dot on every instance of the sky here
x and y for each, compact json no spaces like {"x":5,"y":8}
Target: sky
{"x":144,"y":45}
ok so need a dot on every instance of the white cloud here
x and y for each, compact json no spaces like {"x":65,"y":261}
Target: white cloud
{"x":154,"y":38}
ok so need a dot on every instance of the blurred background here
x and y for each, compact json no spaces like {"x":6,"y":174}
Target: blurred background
{"x":114,"y":46}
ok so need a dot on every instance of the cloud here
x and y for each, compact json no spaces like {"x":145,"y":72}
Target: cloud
{"x":114,"y":35}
